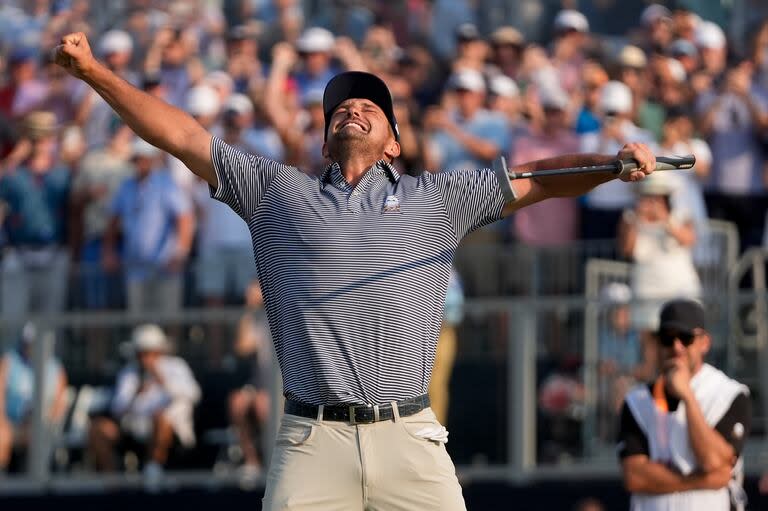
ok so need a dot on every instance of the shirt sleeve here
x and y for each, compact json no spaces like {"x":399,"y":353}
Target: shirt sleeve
{"x":472,"y":198}
{"x":736,"y":423}
{"x":243,"y":178}
{"x":632,"y":439}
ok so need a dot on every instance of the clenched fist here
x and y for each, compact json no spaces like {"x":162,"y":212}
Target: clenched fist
{"x":74,"y":55}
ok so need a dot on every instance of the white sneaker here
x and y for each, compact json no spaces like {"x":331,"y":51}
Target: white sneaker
{"x":153,"y":477}
{"x":249,"y":475}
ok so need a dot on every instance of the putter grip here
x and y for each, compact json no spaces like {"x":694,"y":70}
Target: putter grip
{"x":662,"y":163}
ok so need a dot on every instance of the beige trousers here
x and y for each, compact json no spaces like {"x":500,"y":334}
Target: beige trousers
{"x":384,"y":466}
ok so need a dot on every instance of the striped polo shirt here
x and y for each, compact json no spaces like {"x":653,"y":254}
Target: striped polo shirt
{"x":354,"y":278}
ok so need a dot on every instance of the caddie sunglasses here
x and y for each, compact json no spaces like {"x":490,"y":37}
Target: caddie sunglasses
{"x":667,"y":338}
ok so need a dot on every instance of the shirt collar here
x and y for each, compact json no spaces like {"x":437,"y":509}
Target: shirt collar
{"x":332,"y":173}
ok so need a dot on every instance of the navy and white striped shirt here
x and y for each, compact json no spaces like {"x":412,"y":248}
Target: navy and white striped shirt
{"x":354,"y":279}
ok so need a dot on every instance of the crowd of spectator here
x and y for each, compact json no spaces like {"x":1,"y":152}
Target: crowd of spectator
{"x":85,"y":204}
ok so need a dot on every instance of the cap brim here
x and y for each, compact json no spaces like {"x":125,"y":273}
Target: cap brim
{"x":361,"y":85}
{"x":675,"y":325}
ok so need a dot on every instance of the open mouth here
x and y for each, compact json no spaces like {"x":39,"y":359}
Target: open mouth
{"x":355,"y":125}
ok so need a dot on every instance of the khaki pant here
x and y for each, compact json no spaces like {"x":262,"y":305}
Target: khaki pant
{"x":384,"y":466}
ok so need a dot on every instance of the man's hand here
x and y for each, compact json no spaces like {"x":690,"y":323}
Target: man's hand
{"x":716,"y":479}
{"x":678,"y":377}
{"x":74,"y":55}
{"x":646,"y":161}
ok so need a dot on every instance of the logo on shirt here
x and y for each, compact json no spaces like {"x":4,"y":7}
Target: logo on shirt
{"x":738,"y":430}
{"x":391,"y":205}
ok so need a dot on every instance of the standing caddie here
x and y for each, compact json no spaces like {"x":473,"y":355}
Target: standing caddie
{"x":681,"y":437}
{"x":354,"y":266}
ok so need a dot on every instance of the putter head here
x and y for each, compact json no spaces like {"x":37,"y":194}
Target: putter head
{"x":501,"y":170}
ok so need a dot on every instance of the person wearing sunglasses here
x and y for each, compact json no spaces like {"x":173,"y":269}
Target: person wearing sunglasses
{"x":681,"y":436}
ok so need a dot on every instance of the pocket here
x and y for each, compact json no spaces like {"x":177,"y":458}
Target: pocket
{"x":294,"y":435}
{"x":424,"y":420}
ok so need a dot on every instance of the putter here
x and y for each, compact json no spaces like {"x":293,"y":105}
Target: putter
{"x":616,"y":167}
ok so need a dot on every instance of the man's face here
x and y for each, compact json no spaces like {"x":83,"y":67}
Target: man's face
{"x":688,"y":346}
{"x":147,"y":359}
{"x":359,"y":121}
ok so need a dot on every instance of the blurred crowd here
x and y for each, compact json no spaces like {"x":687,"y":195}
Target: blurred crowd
{"x":81,"y":195}
{"x":85,"y":204}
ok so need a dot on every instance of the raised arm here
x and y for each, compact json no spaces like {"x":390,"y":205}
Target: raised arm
{"x":537,"y":189}
{"x":157,"y":122}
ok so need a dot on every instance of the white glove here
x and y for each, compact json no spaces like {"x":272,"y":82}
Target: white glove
{"x":437,"y":434}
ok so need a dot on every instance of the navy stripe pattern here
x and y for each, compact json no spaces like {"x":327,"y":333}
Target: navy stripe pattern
{"x":354,"y":279}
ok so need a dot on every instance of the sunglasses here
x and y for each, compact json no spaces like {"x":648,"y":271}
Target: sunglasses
{"x":667,"y":338}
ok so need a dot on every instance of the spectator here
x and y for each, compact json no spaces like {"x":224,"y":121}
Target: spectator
{"x":711,"y":41}
{"x":34,"y":269}
{"x":447,"y":343}
{"x":468,"y":136}
{"x":471,"y":49}
{"x":679,"y":139}
{"x":603,"y":206}
{"x":634,"y":73}
{"x":243,"y":64}
{"x":17,"y":391}
{"x":151,"y":408}
{"x":507,"y":45}
{"x":593,"y":77}
{"x":555,"y":222}
{"x":733,"y":119}
{"x":658,"y":240}
{"x":589,"y":504}
{"x":622,"y":361}
{"x":571,"y":37}
{"x":101,"y":172}
{"x":315,"y":48}
{"x":504,"y":97}
{"x":169,"y":56}
{"x":25,"y":90}
{"x":249,"y":402}
{"x":157,"y":226}
{"x":656,"y":21}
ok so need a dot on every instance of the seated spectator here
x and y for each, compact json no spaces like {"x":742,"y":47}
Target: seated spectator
{"x":157,"y":226}
{"x":151,"y":409}
{"x":17,"y":390}
{"x":250,"y":401}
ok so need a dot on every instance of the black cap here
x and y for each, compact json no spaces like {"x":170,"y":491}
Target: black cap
{"x":357,"y":84}
{"x":683,"y":316}
{"x":467,"y":32}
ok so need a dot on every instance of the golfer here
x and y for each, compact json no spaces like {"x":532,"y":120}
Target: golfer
{"x":354,"y":266}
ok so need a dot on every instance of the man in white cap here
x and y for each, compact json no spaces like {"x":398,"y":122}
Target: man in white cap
{"x":470,"y":136}
{"x":571,"y":35}
{"x":344,"y":259}
{"x":315,"y":48}
{"x":603,"y":206}
{"x":151,"y":408}
{"x":712,"y":44}
{"x":157,"y":226}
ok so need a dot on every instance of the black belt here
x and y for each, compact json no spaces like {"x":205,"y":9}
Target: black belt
{"x":358,"y":414}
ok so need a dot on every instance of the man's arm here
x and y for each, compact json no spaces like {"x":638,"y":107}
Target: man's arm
{"x":533,"y":190}
{"x":641,"y":475}
{"x":157,"y":122}
{"x":710,"y":448}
